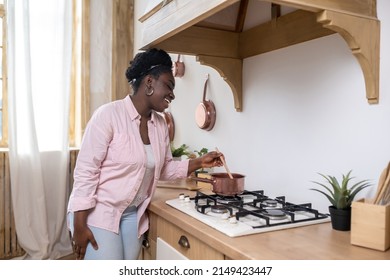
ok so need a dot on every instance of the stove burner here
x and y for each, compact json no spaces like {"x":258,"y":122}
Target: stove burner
{"x":220,"y":209}
{"x":274,"y":214}
{"x":228,"y":199}
{"x":270,"y":203}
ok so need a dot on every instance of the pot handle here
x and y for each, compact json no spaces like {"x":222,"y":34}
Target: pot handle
{"x":205,"y":87}
{"x":204,"y":180}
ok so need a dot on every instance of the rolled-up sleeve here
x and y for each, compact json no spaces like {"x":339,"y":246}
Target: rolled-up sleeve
{"x":174,"y":169}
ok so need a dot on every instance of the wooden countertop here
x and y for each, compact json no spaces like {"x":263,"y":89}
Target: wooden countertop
{"x":313,"y":242}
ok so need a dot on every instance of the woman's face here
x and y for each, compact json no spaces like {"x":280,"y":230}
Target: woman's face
{"x":163,"y":92}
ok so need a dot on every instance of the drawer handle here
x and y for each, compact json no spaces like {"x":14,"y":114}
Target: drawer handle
{"x":183,"y":242}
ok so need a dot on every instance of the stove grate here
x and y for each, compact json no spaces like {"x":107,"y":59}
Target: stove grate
{"x":239,"y":208}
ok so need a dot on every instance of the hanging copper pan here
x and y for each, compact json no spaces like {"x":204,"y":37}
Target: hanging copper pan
{"x":178,"y":68}
{"x":205,"y":113}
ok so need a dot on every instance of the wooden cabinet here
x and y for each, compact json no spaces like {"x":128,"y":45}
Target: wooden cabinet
{"x":185,"y":243}
{"x":182,"y":241}
{"x":314,"y":242}
{"x":150,"y":242}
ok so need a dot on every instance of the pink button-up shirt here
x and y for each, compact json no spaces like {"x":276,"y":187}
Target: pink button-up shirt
{"x":111,"y":164}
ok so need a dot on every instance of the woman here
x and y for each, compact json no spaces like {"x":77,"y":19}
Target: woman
{"x":124,"y":152}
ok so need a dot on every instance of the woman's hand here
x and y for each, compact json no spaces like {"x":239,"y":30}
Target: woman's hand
{"x":82,"y":235}
{"x":211,"y":159}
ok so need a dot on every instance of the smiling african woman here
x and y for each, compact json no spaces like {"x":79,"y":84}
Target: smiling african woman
{"x":124,"y":152}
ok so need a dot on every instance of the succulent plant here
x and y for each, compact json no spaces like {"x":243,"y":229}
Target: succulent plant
{"x":341,"y":195}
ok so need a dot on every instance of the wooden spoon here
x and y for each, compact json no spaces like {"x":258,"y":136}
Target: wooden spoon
{"x":382,"y":187}
{"x":225,"y":165}
{"x":386,"y":196}
{"x":381,"y":182}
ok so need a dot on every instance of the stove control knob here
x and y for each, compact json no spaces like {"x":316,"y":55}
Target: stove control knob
{"x":187,"y":198}
{"x":233,"y":220}
{"x":225,"y":216}
{"x":181,"y":196}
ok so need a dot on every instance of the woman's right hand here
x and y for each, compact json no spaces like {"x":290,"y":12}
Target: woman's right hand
{"x":82,"y":235}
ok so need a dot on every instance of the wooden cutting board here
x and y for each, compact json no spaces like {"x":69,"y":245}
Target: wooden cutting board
{"x":185,"y":184}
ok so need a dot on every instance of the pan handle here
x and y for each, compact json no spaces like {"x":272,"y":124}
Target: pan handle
{"x":205,"y":87}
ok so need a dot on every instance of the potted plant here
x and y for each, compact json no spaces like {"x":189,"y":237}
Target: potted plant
{"x":182,"y":150}
{"x":340,"y":196}
{"x":199,"y":153}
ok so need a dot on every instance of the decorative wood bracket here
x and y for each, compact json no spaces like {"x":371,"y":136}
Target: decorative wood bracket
{"x":362,"y":35}
{"x":230,"y":70}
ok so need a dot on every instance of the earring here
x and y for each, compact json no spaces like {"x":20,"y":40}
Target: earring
{"x":149,"y":91}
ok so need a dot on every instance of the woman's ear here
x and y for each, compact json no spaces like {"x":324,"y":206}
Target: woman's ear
{"x":148,"y":80}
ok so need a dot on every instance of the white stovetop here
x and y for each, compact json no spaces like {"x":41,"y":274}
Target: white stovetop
{"x":233,"y":228}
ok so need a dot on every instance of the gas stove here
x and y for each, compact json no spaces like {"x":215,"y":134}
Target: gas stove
{"x":248,"y":213}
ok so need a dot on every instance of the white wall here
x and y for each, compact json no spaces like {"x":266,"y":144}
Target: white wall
{"x":304,"y":111}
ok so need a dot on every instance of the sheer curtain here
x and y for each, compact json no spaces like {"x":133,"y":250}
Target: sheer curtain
{"x":39,"y":60}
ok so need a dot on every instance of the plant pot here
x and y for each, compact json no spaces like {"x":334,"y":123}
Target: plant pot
{"x":340,"y":218}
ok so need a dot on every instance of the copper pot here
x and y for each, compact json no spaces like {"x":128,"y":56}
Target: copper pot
{"x":178,"y":68}
{"x":223,"y":185}
{"x":205,"y":113}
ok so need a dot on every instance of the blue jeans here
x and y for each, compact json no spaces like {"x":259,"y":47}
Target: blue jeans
{"x":122,"y":246}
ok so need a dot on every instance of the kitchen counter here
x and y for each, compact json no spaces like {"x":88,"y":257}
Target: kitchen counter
{"x":313,"y":242}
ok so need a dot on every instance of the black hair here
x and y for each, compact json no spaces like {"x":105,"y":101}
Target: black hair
{"x":151,"y":62}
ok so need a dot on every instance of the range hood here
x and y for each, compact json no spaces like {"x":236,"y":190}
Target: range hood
{"x":221,"y":33}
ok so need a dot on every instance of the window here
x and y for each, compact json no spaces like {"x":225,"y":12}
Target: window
{"x":3,"y":77}
{"x":79,"y":101}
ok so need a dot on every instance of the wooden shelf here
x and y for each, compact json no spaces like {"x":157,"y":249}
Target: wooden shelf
{"x":224,"y":50}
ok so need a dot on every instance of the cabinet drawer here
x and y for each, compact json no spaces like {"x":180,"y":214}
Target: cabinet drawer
{"x":185,"y":243}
